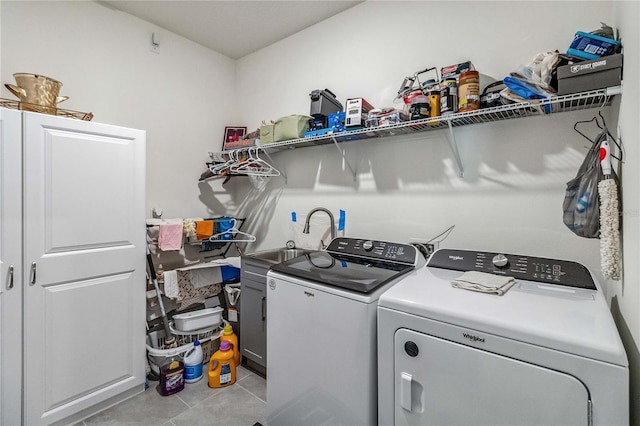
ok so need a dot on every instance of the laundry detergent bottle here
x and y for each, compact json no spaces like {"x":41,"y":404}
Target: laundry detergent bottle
{"x":222,"y":367}
{"x":229,"y":336}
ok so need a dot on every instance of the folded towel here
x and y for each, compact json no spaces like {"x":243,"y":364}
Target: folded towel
{"x":204,"y":229}
{"x":170,"y":236}
{"x":170,"y":284}
{"x":484,"y":283}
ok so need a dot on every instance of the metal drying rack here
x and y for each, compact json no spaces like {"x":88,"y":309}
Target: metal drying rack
{"x":24,"y":106}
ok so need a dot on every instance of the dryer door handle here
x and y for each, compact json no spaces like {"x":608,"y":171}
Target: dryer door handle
{"x":405,"y":390}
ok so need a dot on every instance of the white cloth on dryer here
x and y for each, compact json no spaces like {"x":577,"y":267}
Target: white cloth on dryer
{"x":484,"y":283}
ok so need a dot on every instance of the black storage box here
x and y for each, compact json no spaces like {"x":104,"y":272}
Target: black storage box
{"x":590,"y":75}
{"x":323,"y":103}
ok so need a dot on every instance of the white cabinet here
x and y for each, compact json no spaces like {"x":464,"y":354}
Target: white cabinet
{"x":72,"y":253}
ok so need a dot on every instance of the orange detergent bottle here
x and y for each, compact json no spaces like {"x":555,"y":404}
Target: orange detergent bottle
{"x":222,"y":368}
{"x":229,"y":336}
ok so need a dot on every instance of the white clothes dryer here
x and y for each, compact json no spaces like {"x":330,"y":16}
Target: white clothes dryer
{"x":547,"y":352}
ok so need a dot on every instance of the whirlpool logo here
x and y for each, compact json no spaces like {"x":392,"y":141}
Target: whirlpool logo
{"x":455,"y":258}
{"x":475,"y":339}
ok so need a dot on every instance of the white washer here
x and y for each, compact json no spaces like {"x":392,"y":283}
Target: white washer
{"x":321,"y":331}
{"x":545,"y":353}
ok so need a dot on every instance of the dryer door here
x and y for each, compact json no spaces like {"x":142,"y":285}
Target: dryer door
{"x":439,"y":382}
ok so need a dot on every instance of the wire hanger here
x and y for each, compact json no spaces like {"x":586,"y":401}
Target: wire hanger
{"x":602,"y":128}
{"x":233,"y":231}
{"x":254,"y":165}
{"x":593,"y":119}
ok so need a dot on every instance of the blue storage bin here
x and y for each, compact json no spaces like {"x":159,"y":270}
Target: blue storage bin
{"x":591,"y":46}
{"x":230,"y":273}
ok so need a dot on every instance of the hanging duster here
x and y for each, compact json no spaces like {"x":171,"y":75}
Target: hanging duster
{"x":609,"y":218}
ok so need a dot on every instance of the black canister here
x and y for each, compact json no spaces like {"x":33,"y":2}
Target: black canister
{"x":448,"y":96}
{"x":420,"y":107}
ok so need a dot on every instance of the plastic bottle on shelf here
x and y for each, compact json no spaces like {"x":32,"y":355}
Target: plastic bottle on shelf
{"x":229,"y":336}
{"x":171,"y":377}
{"x":193,"y":363}
{"x":222,"y":368}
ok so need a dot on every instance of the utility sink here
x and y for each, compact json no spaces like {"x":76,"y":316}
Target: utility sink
{"x":278,"y":255}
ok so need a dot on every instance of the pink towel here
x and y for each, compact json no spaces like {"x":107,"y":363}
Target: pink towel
{"x":170,"y":237}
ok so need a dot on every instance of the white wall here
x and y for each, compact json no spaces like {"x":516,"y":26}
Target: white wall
{"x":183,"y":97}
{"x":626,"y":295}
{"x":515,"y":172}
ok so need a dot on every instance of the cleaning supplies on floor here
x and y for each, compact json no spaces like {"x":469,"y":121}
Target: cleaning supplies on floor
{"x":193,"y":363}
{"x":171,"y":377}
{"x":484,"y":283}
{"x":229,"y":336}
{"x":222,"y":368}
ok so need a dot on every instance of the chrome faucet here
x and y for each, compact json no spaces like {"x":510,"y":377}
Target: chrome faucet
{"x":333,"y":222}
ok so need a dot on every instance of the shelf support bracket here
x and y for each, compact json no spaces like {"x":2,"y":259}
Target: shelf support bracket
{"x":335,"y":142}
{"x":454,"y":148}
{"x":282,"y":172}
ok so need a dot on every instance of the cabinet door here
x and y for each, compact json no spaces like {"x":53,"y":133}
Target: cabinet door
{"x":253,"y":331}
{"x":84,"y":253}
{"x":10,"y":266}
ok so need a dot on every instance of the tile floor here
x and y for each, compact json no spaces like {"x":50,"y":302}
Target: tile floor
{"x":241,"y":404}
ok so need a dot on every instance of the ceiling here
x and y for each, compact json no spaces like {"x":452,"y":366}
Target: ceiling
{"x":233,"y":28}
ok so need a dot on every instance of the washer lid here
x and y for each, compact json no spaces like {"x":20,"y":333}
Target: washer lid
{"x":572,"y":320}
{"x":352,"y":273}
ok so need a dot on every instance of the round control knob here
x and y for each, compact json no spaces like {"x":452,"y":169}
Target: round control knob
{"x":367,"y":245}
{"x":500,"y":261}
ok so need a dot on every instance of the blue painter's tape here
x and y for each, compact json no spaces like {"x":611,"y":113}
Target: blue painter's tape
{"x":341,"y":220}
{"x":293,"y":217}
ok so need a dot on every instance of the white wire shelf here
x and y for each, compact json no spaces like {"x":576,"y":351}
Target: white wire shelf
{"x":552,"y":105}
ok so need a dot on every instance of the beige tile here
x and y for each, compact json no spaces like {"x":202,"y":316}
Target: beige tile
{"x":255,"y":385}
{"x":147,"y":408}
{"x":232,"y":406}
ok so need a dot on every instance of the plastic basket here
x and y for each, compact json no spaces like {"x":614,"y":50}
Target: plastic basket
{"x":158,"y":355}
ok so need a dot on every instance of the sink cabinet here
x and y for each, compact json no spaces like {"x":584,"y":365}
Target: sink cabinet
{"x":253,"y":327}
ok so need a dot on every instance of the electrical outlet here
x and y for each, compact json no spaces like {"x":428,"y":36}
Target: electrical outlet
{"x":430,"y":247}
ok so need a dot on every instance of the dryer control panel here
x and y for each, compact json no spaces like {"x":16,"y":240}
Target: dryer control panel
{"x":550,"y":271}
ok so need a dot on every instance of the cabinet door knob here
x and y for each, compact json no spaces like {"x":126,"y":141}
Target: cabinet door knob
{"x":33,"y":273}
{"x":10,"y":277}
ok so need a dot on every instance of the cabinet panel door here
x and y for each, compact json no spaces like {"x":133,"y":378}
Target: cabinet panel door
{"x":84,"y":265}
{"x":253,"y":332}
{"x":10,"y":267}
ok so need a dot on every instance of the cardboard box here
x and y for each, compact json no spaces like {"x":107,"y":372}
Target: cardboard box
{"x":590,"y":75}
{"x":356,"y":112}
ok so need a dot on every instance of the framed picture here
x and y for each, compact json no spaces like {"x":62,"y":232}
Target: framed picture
{"x":233,"y":134}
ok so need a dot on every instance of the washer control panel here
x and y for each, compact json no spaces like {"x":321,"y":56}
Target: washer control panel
{"x":372,"y":249}
{"x":551,"y":271}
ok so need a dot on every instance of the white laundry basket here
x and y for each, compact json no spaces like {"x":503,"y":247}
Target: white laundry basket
{"x":158,"y":355}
